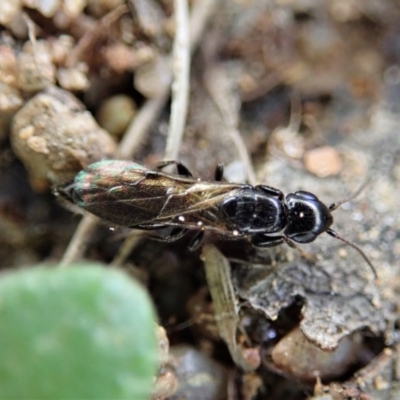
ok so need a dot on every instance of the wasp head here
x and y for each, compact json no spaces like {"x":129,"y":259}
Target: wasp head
{"x":308,"y":217}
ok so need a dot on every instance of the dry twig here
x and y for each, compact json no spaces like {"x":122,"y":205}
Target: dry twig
{"x":138,"y":128}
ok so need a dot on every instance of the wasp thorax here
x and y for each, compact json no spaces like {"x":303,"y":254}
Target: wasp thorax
{"x":254,"y":211}
{"x":239,"y":210}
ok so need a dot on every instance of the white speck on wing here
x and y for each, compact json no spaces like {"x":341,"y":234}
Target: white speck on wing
{"x":115,"y":188}
{"x":181,"y":218}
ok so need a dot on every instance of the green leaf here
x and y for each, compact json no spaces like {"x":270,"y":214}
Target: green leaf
{"x":82,"y":332}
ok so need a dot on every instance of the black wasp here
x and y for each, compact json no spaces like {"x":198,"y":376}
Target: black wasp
{"x":127,"y":194}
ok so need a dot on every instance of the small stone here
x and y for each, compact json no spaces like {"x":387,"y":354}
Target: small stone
{"x":38,"y":144}
{"x":26,"y":132}
{"x":323,"y":161}
{"x":115,"y":114}
{"x":296,"y":355}
{"x":55,"y":137}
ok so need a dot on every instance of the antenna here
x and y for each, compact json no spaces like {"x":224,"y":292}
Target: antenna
{"x":337,"y":204}
{"x":354,"y":246}
{"x":334,"y":234}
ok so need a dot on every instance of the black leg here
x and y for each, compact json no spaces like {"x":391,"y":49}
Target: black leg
{"x":182,"y":169}
{"x":304,"y":254}
{"x":175,"y":234}
{"x":219,"y":172}
{"x":271,"y":191}
{"x":150,"y":227}
{"x":196,"y":241}
{"x":262,"y":240}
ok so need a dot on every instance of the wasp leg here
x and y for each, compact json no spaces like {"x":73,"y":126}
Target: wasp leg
{"x":182,"y":169}
{"x":166,"y":233}
{"x":262,"y":240}
{"x":150,"y":227}
{"x":175,"y":234}
{"x":219,"y":172}
{"x":196,"y":241}
{"x":271,"y":191}
{"x":304,"y":254}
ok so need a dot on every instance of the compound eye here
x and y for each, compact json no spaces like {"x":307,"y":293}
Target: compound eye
{"x":302,"y":195}
{"x":303,"y":237}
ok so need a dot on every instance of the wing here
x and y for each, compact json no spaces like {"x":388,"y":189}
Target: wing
{"x":127,"y":194}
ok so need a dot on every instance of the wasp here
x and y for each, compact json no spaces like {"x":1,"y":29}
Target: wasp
{"x":127,"y":194}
